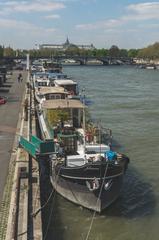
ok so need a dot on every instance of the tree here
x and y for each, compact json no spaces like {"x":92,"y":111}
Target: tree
{"x":72,"y":50}
{"x":114,"y":51}
{"x":151,"y":52}
{"x":9,"y":52}
{"x":132,"y":53}
{"x":1,"y":51}
{"x":101,"y":52}
{"x":123,"y":53}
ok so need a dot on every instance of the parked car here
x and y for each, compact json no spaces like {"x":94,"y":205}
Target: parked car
{"x":3,"y":100}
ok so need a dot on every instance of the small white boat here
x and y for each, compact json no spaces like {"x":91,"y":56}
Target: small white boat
{"x":94,"y":62}
{"x":151,"y":67}
{"x":71,"y":62}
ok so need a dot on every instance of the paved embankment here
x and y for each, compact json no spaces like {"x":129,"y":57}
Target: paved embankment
{"x":14,"y":213}
{"x":9,"y":114}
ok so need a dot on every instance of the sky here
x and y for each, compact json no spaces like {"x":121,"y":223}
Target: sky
{"x":24,"y":24}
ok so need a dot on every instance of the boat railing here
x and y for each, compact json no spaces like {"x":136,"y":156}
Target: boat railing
{"x":107,"y":131}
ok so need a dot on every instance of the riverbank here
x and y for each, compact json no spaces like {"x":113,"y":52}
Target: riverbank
{"x":18,"y":204}
{"x":9,"y":114}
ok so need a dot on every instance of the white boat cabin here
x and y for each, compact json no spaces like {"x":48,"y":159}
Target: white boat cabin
{"x":41,"y":80}
{"x":50,"y":93}
{"x":66,"y":117}
{"x":69,"y":85}
{"x":72,"y":109}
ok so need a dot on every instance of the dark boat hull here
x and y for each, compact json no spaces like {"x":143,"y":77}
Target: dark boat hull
{"x":80,"y":194}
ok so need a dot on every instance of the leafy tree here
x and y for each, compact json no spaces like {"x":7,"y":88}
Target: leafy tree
{"x":123,"y":53}
{"x":151,"y":52}
{"x":56,"y":116}
{"x":72,"y":50}
{"x":8,"y":52}
{"x":132,"y":53}
{"x":1,"y":51}
{"x":101,"y":52}
{"x":114,"y":51}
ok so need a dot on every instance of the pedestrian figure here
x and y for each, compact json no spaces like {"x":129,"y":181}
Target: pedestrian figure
{"x":20,"y":78}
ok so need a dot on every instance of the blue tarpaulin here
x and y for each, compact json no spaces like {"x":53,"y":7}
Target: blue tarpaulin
{"x":110,"y":155}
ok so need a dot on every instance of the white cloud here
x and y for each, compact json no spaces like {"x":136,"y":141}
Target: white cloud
{"x":134,"y":12}
{"x":144,"y":7}
{"x":31,"y":6}
{"x":22,"y":26}
{"x":15,"y":33}
{"x":110,"y":23}
{"x":53,"y":16}
{"x":11,"y":23}
{"x":50,"y":30}
{"x":9,"y":3}
{"x":143,"y":11}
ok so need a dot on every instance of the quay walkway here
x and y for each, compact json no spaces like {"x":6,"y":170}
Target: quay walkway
{"x":19,"y":178}
{"x":9,"y":114}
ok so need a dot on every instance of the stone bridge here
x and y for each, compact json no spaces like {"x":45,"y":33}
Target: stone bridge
{"x":82,"y":60}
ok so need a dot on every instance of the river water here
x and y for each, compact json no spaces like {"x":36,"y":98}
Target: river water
{"x":125,"y":99}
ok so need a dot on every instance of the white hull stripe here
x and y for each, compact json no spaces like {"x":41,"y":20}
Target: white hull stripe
{"x":83,"y":178}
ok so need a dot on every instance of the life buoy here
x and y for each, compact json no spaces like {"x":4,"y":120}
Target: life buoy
{"x":89,"y":137}
{"x":92,"y":184}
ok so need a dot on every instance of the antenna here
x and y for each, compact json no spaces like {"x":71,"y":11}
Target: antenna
{"x":100,"y":136}
{"x":84,"y":120}
{"x":84,"y":128}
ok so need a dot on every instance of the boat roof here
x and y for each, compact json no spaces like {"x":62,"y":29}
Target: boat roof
{"x":41,"y":74}
{"x":45,"y":90}
{"x":63,"y":104}
{"x":42,"y":80}
{"x":65,"y":82}
{"x":55,"y":74}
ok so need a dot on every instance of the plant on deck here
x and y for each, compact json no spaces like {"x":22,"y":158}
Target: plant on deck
{"x":57,"y":116}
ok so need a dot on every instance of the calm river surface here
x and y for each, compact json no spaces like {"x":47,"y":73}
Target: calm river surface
{"x":126,"y":99}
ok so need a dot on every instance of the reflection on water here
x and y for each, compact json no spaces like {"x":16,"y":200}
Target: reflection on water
{"x":125,"y":100}
{"x":137,"y":198}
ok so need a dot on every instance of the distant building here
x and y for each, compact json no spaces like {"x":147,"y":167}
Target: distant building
{"x":66,"y":45}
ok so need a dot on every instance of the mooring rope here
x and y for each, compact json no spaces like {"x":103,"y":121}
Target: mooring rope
{"x":47,"y":228}
{"x":45,"y":204}
{"x":94,"y":213}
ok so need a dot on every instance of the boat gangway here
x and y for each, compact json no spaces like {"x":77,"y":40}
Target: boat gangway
{"x":36,"y":147}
